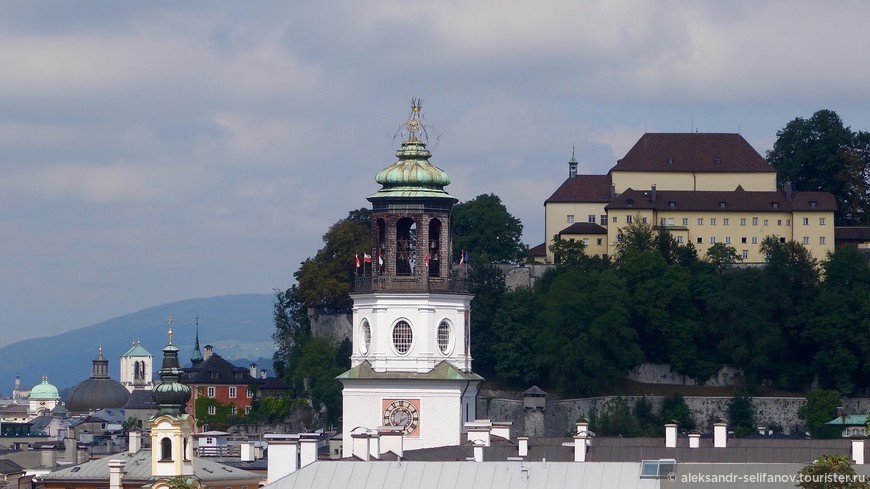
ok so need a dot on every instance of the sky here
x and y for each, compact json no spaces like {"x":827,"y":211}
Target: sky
{"x":159,"y":151}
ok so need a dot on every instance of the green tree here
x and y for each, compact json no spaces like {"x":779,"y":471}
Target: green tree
{"x":741,"y":414}
{"x":486,"y":282}
{"x":722,"y":256}
{"x":326,"y":280}
{"x":516,"y":327}
{"x":830,"y":472}
{"x":821,"y":153}
{"x":320,"y":363}
{"x":616,"y":419}
{"x":568,"y":252}
{"x":821,"y":407}
{"x":674,"y":408}
{"x":485,"y":229}
{"x":636,"y":237}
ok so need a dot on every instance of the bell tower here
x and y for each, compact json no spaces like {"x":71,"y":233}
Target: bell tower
{"x":411,"y":360}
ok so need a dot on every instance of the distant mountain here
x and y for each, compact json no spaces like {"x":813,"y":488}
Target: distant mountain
{"x":239,"y":327}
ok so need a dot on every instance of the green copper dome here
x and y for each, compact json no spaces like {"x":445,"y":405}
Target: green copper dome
{"x":412,"y":175}
{"x":44,"y":391}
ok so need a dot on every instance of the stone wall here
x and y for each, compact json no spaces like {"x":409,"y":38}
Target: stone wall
{"x":337,"y":326}
{"x":522,"y":275}
{"x":654,"y":373}
{"x":560,"y":415}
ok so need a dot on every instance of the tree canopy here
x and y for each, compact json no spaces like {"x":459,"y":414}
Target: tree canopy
{"x":485,"y":229}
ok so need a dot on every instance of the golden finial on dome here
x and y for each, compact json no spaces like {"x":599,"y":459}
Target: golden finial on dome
{"x":415,"y":125}
{"x":170,"y":328}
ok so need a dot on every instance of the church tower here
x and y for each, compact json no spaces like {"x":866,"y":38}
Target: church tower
{"x":411,"y":361}
{"x":137,"y":368}
{"x":171,"y":429}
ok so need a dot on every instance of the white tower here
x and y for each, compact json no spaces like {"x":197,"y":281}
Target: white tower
{"x":137,"y":368}
{"x":411,"y":364}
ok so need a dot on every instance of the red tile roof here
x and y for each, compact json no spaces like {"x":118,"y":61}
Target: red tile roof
{"x":735,"y":200}
{"x":584,"y":228}
{"x":583,"y":188}
{"x":692,"y":152}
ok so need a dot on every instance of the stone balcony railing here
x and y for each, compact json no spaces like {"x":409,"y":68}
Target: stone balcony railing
{"x":410,"y":284}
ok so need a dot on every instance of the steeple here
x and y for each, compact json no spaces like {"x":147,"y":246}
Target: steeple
{"x":100,"y":366}
{"x":171,"y":395}
{"x":572,"y":165}
{"x":196,"y":356}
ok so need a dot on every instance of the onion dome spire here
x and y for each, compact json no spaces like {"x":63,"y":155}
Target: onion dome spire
{"x":171,"y":395}
{"x":196,"y":356}
{"x":413,"y":175}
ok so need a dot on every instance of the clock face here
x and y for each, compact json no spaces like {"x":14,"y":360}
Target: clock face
{"x":402,"y":413}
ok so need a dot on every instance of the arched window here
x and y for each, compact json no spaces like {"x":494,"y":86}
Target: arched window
{"x":444,"y":337}
{"x":406,"y":246}
{"x":366,"y":333}
{"x":166,"y":449}
{"x":434,"y":250}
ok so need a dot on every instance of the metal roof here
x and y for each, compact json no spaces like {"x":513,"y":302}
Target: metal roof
{"x":450,"y":475}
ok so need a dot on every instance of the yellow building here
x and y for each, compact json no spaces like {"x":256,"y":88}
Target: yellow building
{"x":702,"y":188}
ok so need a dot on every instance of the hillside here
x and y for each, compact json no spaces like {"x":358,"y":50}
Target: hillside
{"x":238,"y":326}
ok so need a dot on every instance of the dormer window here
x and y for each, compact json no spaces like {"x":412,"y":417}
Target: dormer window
{"x":775,"y":205}
{"x":722,"y":205}
{"x":717,"y":161}
{"x":670,"y":161}
{"x":813,"y":204}
{"x":629,"y":201}
{"x":672,"y":204}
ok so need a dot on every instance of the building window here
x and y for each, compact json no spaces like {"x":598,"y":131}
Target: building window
{"x":726,"y":221}
{"x":591,"y":218}
{"x":247,"y":409}
{"x":250,"y":393}
{"x":821,"y":240}
{"x":700,"y":221}
{"x":821,"y":221}
{"x":806,"y":221}
{"x":743,"y":240}
{"x":679,"y":240}
{"x":599,"y":241}
{"x":585,"y":241}
{"x":685,"y":221}
{"x":210,"y":391}
{"x":663,"y":221}
{"x":212,"y":410}
{"x":712,"y":240}
{"x":727,"y":239}
{"x":754,"y":240}
{"x":366,"y":330}
{"x":444,"y":337}
{"x":615,"y":219}
{"x":166,"y":450}
{"x":813,"y":204}
{"x":643,"y":220}
{"x":234,"y":409}
{"x":806,"y":240}
{"x":570,"y":218}
{"x":620,"y":237}
{"x":742,"y":221}
{"x":670,"y":221}
{"x":672,"y":204}
{"x":403,"y":336}
{"x":765,"y":222}
{"x":755,"y":221}
{"x":232,"y":392}
{"x":628,"y":219}
{"x":712,"y":221}
{"x":745,"y":254}
{"x":700,"y":240}
{"x":603,"y":219}
{"x":721,"y":205}
{"x":788,"y":222}
{"x":657,"y":469}
{"x":775,"y":205}
{"x":209,"y":440}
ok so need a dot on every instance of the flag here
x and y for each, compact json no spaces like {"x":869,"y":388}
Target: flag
{"x":367,"y":258}
{"x":380,"y":258}
{"x":356,"y":258}
{"x":427,"y":259}
{"x":463,"y":258}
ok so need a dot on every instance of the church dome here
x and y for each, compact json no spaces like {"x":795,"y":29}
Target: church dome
{"x":98,"y":392}
{"x":44,"y":391}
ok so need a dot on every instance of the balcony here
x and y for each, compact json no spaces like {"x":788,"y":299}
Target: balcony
{"x":364,"y":284}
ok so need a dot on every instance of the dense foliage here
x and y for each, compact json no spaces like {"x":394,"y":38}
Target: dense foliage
{"x":830,"y":472}
{"x":485,"y":229}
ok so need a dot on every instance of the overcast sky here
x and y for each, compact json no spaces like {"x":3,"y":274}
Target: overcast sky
{"x":159,"y":151}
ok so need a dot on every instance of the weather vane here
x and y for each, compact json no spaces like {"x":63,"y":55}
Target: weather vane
{"x":416,"y":126}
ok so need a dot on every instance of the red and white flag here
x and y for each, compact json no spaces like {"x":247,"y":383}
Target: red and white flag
{"x":462,"y":258}
{"x":380,"y":258}
{"x":356,"y":258}
{"x":427,"y":259}
{"x":367,"y":258}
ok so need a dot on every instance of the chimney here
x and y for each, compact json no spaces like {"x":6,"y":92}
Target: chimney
{"x":841,"y":413}
{"x":252,"y":369}
{"x":582,"y":426}
{"x":48,"y":456}
{"x":694,"y":439}
{"x":762,"y":430}
{"x":208,"y":351}
{"x":375,"y":446}
{"x":134,"y":440}
{"x":116,"y":472}
{"x":612,"y":191}
{"x":478,"y":451}
{"x":391,"y":440}
{"x":283,"y":456}
{"x":501,"y":429}
{"x":580,"y":447}
{"x":653,"y":193}
{"x":671,"y":435}
{"x":307,"y":449}
{"x":361,"y":446}
{"x":720,"y":434}
{"x":858,"y":451}
{"x":247,"y":452}
{"x":479,"y":433}
{"x":523,"y":446}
